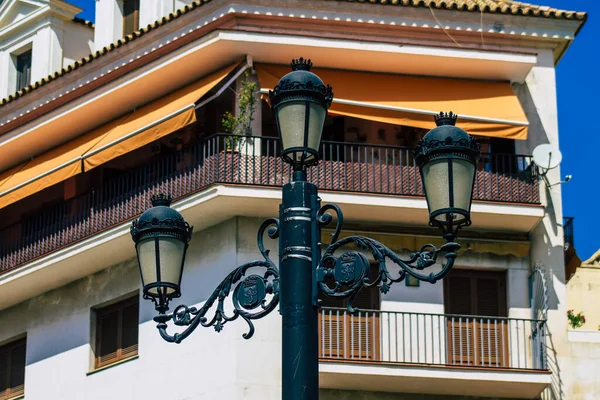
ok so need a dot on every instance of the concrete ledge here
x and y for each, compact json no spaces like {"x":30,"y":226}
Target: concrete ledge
{"x":441,"y":380}
{"x":583,"y":336}
{"x":222,"y":202}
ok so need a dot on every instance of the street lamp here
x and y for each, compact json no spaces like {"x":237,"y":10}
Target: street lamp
{"x":447,"y":157}
{"x":161,"y":239}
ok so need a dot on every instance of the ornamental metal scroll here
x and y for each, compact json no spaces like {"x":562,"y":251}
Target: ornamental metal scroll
{"x":343,"y":276}
{"x":248,"y":296}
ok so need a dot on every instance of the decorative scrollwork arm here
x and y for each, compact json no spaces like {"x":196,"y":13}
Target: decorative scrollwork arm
{"x":249,"y":298}
{"x":344,"y":275}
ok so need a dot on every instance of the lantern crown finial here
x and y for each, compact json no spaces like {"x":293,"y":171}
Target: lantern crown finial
{"x":443,"y":118}
{"x":301,"y":64}
{"x":161,"y":199}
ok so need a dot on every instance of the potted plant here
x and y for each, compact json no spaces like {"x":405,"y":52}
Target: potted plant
{"x":240,"y":125}
{"x":575,"y":320}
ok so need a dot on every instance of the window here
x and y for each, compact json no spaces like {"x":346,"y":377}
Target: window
{"x":473,"y":299}
{"x":345,"y":335}
{"x":12,"y":369}
{"x":23,"y":70}
{"x":131,"y":16}
{"x":117,"y":332}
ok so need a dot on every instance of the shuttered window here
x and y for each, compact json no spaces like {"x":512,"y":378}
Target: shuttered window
{"x":12,"y":369}
{"x":351,"y":336}
{"x":477,"y":331}
{"x":117,"y":332}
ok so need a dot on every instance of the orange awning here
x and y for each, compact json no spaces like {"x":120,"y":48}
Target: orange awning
{"x":484,"y":108}
{"x":52,"y":167}
{"x":6,"y":175}
{"x":109,"y":141}
{"x":153,"y":121}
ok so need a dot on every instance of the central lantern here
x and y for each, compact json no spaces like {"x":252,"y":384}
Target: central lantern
{"x":300,"y":102}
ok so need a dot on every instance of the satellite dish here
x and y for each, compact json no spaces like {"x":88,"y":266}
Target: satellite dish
{"x":547,"y":156}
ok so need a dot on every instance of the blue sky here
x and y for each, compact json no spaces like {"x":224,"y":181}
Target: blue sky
{"x":578,"y":85}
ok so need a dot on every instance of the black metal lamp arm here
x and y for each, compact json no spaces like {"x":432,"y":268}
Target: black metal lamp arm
{"x":344,"y":275}
{"x":249,"y":297}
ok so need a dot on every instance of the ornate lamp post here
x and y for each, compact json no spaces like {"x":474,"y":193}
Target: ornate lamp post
{"x":447,"y":157}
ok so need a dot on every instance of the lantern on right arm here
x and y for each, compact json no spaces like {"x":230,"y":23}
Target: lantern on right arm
{"x":447,"y":157}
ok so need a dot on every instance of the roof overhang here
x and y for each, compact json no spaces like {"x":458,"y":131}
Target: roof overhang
{"x":223,"y":47}
{"x":174,"y":52}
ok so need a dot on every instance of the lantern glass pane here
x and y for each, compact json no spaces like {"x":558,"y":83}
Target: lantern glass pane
{"x":147,"y":259}
{"x":171,"y":258}
{"x":463,"y":173}
{"x":437,"y":186}
{"x":317,"y":120}
{"x":171,"y":252}
{"x":291,"y":117}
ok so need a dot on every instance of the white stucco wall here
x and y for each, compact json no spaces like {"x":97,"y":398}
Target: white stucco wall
{"x":153,"y":10}
{"x":205,"y":366}
{"x":539,"y":100}
{"x":78,"y":42}
{"x":109,"y":23}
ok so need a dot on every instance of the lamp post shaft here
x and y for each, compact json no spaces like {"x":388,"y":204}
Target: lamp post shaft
{"x":300,"y":363}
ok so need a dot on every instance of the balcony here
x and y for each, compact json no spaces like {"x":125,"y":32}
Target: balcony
{"x":346,"y":167}
{"x":403,"y":351}
{"x":572,"y":260}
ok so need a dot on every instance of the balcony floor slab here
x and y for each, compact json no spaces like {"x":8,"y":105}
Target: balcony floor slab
{"x":440,"y":380}
{"x":221,"y":202}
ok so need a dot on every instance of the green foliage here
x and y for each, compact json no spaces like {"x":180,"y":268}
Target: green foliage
{"x":575,"y":320}
{"x":241,"y":124}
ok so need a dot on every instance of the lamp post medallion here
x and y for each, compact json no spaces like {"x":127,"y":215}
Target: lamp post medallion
{"x":252,"y":293}
{"x":350,"y":267}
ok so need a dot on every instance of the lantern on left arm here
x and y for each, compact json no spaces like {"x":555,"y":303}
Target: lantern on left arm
{"x":161,"y":238}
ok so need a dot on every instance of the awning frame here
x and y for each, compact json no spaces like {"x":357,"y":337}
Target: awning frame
{"x":132,"y":134}
{"x":49,"y":172}
{"x":418,"y":111}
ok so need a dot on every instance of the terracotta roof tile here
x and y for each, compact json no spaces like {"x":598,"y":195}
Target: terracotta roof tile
{"x":492,"y":6}
{"x":486,"y":6}
{"x":85,"y":22}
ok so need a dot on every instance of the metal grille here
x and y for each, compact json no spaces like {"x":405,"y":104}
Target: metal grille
{"x":348,"y":167}
{"x":430,"y":339}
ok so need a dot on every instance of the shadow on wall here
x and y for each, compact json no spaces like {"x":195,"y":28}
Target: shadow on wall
{"x":555,"y":390}
{"x":537,"y":134}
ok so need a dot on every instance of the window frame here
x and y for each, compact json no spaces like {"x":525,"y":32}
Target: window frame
{"x":9,"y":348}
{"x":23,"y":79}
{"x":102,"y":312}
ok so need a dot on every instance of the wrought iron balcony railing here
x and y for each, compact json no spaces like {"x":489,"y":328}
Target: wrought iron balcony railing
{"x":432,"y":339}
{"x":348,"y":167}
{"x":569,"y":232}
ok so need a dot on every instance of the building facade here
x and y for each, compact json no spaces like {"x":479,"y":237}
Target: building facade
{"x":584,"y":333}
{"x":98,"y":117}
